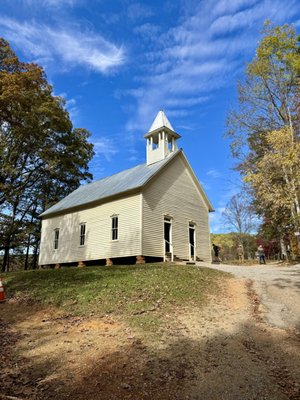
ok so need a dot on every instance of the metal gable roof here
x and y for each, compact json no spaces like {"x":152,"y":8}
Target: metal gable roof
{"x":121,"y":182}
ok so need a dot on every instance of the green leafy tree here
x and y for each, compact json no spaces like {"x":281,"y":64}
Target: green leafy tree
{"x":229,"y":243}
{"x":275,"y":177}
{"x":269,"y":95}
{"x":275,"y":180}
{"x":264,"y":129}
{"x":42,"y":157}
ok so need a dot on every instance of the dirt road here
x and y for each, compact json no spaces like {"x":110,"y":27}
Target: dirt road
{"x":278,"y":288}
{"x":225,"y":351}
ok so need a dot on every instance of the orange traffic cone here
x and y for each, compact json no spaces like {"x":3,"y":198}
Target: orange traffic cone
{"x":2,"y":294}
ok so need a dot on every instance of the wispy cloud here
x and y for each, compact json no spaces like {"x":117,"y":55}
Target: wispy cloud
{"x":202,"y":54}
{"x":249,"y":16}
{"x":216,"y":220}
{"x":139,"y":11}
{"x":105,"y":147}
{"x":59,"y":46}
{"x":229,"y":7}
{"x":72,"y":108}
{"x":148,"y":31}
{"x":105,"y":150}
{"x":214,"y":173}
{"x":51,"y":3}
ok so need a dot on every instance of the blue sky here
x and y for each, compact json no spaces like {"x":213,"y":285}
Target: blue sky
{"x":117,"y":63}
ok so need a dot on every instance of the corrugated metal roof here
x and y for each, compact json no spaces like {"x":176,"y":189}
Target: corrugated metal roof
{"x":123,"y":181}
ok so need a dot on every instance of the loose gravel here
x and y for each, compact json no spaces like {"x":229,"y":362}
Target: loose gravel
{"x":278,"y":288}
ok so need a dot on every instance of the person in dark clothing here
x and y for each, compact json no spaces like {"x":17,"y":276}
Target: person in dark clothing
{"x":216,"y":252}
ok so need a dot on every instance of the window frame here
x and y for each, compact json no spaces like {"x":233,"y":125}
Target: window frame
{"x":82,"y":235}
{"x":114,"y":228}
{"x":56,"y":239}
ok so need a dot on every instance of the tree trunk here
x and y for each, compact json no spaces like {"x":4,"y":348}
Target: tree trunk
{"x":283,"y":250}
{"x":5,"y":262}
{"x":35,"y":255}
{"x":27,"y":253}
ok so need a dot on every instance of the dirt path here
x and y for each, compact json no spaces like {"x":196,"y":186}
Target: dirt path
{"x":224,"y":351}
{"x":278,"y":288}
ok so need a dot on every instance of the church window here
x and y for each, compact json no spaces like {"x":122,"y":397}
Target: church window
{"x":56,"y":238}
{"x":82,"y":234}
{"x":114,"y":227}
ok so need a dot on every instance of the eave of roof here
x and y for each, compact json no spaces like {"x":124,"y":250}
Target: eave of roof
{"x":163,"y":128}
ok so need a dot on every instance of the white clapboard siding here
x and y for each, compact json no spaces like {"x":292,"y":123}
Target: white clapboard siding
{"x":173,"y":192}
{"x":98,"y":233}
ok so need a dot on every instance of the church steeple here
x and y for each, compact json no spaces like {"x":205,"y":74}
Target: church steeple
{"x":161,"y":139}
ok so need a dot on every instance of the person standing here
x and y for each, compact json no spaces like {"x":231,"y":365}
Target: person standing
{"x":216,"y":252}
{"x":261,"y":254}
{"x":240,"y":252}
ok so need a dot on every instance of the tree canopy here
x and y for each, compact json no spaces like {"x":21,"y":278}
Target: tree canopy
{"x":264,"y":129}
{"x":42,"y":157}
{"x":268,"y":97}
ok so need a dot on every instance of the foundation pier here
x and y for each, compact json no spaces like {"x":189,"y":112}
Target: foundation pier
{"x":81,"y":264}
{"x":140,"y":260}
{"x":109,"y":262}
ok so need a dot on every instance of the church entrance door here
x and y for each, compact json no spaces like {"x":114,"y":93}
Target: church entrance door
{"x":168,"y":247}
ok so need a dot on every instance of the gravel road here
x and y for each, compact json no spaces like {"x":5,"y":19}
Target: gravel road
{"x":278,"y":288}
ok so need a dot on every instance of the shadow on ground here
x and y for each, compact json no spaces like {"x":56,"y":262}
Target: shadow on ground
{"x":250,"y":364}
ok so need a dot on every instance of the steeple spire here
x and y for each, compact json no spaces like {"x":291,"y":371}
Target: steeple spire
{"x":161,"y":139}
{"x":161,"y":121}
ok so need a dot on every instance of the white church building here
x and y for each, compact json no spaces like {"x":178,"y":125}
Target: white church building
{"x":153,"y":211}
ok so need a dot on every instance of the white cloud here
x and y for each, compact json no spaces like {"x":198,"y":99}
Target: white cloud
{"x":148,"y":31}
{"x":71,"y":106}
{"x":191,"y":61}
{"x":214,"y":173}
{"x":250,"y":16}
{"x":215,"y":219}
{"x":105,"y":147}
{"x":51,"y":3}
{"x":138,"y":11}
{"x":225,"y":6}
{"x":70,"y":47}
{"x":59,"y":3}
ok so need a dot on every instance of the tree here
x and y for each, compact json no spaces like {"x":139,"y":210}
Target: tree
{"x":264,"y":129}
{"x":275,"y":177}
{"x":239,"y":216}
{"x":229,"y":243}
{"x":42,"y":157}
{"x":275,"y":180}
{"x":269,"y":95}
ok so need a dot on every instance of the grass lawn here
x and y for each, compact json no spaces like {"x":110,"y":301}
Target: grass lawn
{"x":128,"y":291}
